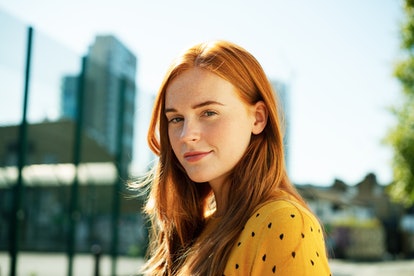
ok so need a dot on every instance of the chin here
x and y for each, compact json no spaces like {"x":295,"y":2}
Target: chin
{"x":198,"y":179}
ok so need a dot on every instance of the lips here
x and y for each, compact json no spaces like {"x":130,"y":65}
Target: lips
{"x":195,"y":156}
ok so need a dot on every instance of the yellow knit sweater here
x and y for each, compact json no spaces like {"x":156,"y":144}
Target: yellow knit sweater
{"x":281,"y":238}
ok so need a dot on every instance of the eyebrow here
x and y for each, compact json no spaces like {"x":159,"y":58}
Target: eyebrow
{"x":199,"y":105}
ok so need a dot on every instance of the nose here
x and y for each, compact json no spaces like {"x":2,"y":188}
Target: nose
{"x":190,"y":131}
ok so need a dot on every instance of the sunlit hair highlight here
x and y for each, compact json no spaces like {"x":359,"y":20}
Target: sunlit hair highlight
{"x":177,"y":206}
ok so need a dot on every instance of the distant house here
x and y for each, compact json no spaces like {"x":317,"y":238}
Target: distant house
{"x":361,"y":220}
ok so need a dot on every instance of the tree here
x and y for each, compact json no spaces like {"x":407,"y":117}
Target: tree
{"x":401,"y":136}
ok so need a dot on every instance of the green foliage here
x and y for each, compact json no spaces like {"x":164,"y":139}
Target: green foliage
{"x":401,"y":137}
{"x":407,"y":30}
{"x":404,"y":71}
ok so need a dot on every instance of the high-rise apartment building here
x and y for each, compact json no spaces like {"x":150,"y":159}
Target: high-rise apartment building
{"x":69,"y":97}
{"x":109,"y":93}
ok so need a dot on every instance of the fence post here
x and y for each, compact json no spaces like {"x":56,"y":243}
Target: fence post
{"x":17,"y":213}
{"x":77,"y":147}
{"x":97,"y":252}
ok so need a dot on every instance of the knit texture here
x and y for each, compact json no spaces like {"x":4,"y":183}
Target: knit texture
{"x":280,"y":238}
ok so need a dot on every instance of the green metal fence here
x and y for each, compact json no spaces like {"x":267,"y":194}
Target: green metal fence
{"x":62,"y":168}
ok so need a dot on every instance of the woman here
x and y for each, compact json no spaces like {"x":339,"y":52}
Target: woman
{"x":220,"y":200}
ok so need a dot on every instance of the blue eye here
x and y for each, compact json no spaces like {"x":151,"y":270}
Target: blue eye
{"x":175,"y":120}
{"x":209,"y":113}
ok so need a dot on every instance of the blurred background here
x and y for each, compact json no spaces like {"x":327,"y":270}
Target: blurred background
{"x":77,"y":82}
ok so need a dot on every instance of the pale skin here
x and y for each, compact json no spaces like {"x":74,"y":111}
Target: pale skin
{"x":210,"y":127}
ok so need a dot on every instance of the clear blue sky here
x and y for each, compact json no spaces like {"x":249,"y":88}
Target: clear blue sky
{"x":335,"y":56}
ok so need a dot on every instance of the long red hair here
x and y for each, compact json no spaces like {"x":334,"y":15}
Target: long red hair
{"x":177,"y":206}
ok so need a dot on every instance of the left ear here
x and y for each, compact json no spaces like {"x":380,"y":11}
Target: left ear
{"x":260,"y":113}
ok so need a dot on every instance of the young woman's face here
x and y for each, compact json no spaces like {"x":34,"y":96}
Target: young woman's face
{"x":209,"y":126}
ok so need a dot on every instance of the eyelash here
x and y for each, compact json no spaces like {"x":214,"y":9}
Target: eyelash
{"x":175,"y":120}
{"x":207,"y":113}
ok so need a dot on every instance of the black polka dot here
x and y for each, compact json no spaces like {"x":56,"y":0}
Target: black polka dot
{"x":264,"y":257}
{"x":317,"y":253}
{"x":257,"y":215}
{"x":253,"y":234}
{"x":292,"y":215}
{"x":239,"y":244}
{"x":274,"y":269}
{"x":269,"y":225}
{"x":281,"y":236}
{"x":303,"y":235}
{"x":237,"y":266}
{"x":293,"y":254}
{"x":312,"y":262}
{"x":311,"y":229}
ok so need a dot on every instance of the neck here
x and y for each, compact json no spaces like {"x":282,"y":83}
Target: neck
{"x":220,"y":194}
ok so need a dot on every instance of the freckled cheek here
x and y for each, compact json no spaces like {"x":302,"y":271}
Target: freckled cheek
{"x":211,"y":133}
{"x":173,"y":137}
{"x":224,"y":128}
{"x":174,"y":133}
